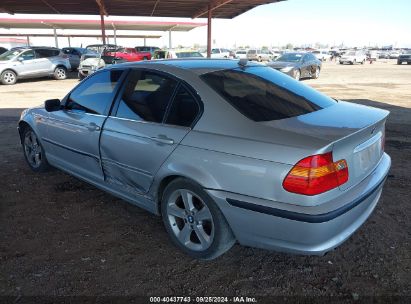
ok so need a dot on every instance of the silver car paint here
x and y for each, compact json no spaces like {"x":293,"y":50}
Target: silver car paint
{"x":228,"y":155}
{"x":33,"y":68}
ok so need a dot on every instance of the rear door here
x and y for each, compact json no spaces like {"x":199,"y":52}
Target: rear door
{"x":44,"y":64}
{"x":74,"y":131}
{"x":144,"y":129}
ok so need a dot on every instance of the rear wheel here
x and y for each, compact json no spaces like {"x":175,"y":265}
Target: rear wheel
{"x":80,"y":76}
{"x":60,"y":73}
{"x":8,"y":77}
{"x":362,"y":62}
{"x":259,"y":59}
{"x":194,"y":222}
{"x":145,"y":58}
{"x":33,"y":151}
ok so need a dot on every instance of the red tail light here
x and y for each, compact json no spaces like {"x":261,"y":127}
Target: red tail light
{"x":316,"y":174}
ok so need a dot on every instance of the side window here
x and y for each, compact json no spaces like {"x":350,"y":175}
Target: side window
{"x":184,"y":109}
{"x":96,"y":93}
{"x":215,"y":51}
{"x":146,"y":96}
{"x":27,"y":55}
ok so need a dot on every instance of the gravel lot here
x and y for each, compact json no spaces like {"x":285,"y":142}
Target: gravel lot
{"x":62,"y":237}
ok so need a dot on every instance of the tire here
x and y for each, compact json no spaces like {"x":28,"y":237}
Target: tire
{"x":145,"y":58}
{"x":8,"y":77}
{"x":60,"y":73}
{"x":341,"y":62}
{"x":182,"y":221}
{"x":34,"y":151}
{"x":316,"y":73}
{"x":354,"y":62}
{"x":399,"y":62}
{"x":362,"y":62}
{"x":259,"y":59}
{"x":297,"y":75}
{"x":80,"y":76}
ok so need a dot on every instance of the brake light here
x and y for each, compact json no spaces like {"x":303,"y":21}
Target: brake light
{"x":316,"y":174}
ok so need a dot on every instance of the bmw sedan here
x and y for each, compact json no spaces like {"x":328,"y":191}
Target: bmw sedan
{"x":298,"y":65}
{"x":224,"y":151}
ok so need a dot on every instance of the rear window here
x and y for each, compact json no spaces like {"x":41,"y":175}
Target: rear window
{"x":263,"y":94}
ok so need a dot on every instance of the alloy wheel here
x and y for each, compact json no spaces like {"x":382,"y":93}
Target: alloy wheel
{"x":32,"y":149}
{"x":190,"y":220}
{"x":9,"y":77}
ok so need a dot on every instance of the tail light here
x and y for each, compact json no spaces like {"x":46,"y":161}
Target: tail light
{"x":65,"y":56}
{"x":316,"y":174}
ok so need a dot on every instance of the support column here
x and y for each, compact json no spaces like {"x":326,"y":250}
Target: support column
{"x":56,"y":40}
{"x":169,"y":40}
{"x":103,"y":28}
{"x":145,"y":41}
{"x":115,"y":36}
{"x":28,"y":40}
{"x":69,"y":42}
{"x":209,"y":32}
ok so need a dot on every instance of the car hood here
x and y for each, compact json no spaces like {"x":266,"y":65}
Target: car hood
{"x":98,"y":62}
{"x":282,"y":64}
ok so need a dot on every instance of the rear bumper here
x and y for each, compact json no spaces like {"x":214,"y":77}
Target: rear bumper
{"x":297,"y":229}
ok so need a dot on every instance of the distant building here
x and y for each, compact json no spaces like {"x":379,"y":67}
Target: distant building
{"x":9,"y":43}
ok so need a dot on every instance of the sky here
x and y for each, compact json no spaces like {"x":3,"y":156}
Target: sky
{"x":299,"y":22}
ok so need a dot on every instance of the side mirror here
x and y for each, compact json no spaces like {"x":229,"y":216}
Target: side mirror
{"x":20,"y":59}
{"x":52,"y":105}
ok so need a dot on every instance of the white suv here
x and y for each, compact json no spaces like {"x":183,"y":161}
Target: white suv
{"x":353,"y":57}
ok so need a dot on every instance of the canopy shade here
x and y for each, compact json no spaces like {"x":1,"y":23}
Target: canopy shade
{"x":156,"y":8}
{"x":96,"y":25}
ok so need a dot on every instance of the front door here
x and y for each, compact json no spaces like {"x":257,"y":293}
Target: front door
{"x":74,"y":131}
{"x":152,"y":116}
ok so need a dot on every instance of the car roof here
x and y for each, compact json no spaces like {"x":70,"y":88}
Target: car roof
{"x":196,"y":65}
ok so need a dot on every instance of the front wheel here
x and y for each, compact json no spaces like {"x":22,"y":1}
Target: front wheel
{"x":316,"y":73}
{"x":33,"y":151}
{"x":297,"y":75}
{"x":194,"y":222}
{"x":60,"y":73}
{"x":8,"y":77}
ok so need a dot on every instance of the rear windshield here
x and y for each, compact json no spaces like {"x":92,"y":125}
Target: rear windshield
{"x":263,"y":94}
{"x":188,"y":54}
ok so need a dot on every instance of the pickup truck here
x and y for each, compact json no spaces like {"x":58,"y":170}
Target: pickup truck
{"x":130,"y":54}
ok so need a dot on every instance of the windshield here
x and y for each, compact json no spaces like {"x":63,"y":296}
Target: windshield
{"x":290,"y":57}
{"x":263,"y":94}
{"x":10,"y":55}
{"x":351,"y":54}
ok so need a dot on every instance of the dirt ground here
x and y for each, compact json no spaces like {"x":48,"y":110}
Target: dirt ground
{"x":62,"y":237}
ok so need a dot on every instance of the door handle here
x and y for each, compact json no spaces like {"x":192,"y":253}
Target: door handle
{"x":163,"y":140}
{"x":93,"y":127}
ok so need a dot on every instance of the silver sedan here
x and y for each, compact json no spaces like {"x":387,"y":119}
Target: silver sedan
{"x":223,"y":150}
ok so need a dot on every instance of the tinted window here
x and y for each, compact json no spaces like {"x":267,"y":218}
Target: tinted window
{"x":46,"y":53}
{"x":184,"y":109}
{"x":96,"y":93}
{"x":146,"y":96}
{"x":188,"y":54}
{"x":262,"y":94}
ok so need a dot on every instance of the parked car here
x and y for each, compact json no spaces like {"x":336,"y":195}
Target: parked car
{"x":298,"y":65}
{"x":74,"y":55}
{"x":227,"y":151}
{"x":394,"y":55}
{"x":353,"y":57}
{"x":241,"y":54}
{"x":33,"y":62}
{"x":130,"y":54}
{"x":322,"y":55}
{"x":3,"y":50}
{"x":260,"y":55}
{"x":96,"y":57}
{"x":150,"y":49}
{"x":219,"y":53}
{"x":404,"y":58}
{"x":372,"y":55}
{"x":173,"y":54}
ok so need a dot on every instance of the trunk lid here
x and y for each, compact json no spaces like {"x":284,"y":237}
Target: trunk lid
{"x":353,"y":132}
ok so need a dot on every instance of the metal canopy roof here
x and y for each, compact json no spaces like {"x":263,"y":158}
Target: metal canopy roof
{"x":156,"y":8}
{"x":96,"y":25}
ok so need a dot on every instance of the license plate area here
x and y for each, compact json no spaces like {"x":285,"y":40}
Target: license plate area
{"x":367,"y":154}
